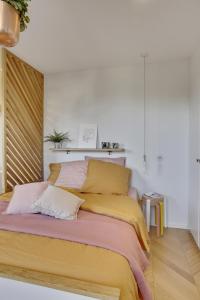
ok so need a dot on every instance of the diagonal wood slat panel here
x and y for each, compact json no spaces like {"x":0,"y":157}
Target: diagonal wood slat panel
{"x":23,"y":118}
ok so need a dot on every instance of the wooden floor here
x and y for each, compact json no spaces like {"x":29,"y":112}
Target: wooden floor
{"x":176,"y":266}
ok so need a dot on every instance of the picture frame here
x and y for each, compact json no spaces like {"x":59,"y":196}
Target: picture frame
{"x":87,"y":136}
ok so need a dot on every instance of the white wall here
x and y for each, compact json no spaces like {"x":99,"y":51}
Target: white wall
{"x":194,"y":173}
{"x":113,"y":98}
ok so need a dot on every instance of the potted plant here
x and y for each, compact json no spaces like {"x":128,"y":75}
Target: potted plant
{"x":57,"y":138}
{"x":13,"y":19}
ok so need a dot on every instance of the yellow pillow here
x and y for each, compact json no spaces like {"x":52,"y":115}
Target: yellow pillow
{"x":106,"y":178}
{"x":54,"y":172}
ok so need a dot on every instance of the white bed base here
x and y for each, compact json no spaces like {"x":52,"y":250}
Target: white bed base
{"x":18,"y":283}
{"x":16,"y":290}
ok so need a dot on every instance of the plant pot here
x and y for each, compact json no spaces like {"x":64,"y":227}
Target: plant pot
{"x":57,"y":145}
{"x":9,"y":25}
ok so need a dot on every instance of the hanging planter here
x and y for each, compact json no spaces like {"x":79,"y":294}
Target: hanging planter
{"x":13,"y":19}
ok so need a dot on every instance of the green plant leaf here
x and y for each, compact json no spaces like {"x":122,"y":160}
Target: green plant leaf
{"x":57,"y":137}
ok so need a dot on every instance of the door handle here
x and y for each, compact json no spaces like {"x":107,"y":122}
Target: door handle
{"x":198,"y":160}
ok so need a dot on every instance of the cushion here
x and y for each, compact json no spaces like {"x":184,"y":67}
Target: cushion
{"x":72,"y":174}
{"x":115,"y":160}
{"x":106,"y":178}
{"x":24,"y":196}
{"x":54,"y":172}
{"x":58,"y":203}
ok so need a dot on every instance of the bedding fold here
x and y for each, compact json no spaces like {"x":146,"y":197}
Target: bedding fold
{"x":118,"y":207}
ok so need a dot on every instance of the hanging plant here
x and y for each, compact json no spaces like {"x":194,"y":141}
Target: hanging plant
{"x":22,"y":8}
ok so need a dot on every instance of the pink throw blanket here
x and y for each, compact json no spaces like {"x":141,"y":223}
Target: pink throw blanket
{"x":91,"y":229}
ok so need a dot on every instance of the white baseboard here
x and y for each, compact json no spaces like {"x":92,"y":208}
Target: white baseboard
{"x":179,"y":226}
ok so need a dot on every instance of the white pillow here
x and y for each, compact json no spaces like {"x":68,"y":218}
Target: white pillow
{"x":58,"y":203}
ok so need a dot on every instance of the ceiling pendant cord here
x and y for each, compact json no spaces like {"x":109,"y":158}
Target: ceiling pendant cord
{"x":144,"y":56}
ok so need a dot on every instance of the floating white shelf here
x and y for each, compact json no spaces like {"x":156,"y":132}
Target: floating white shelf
{"x":68,"y":150}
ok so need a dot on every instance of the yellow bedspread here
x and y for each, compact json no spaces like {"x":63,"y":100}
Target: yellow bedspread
{"x":88,"y":263}
{"x":119,"y":207}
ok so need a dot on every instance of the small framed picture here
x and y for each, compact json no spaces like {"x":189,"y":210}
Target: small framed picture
{"x":88,"y":136}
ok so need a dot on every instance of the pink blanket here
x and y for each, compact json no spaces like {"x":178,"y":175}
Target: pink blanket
{"x":89,"y":228}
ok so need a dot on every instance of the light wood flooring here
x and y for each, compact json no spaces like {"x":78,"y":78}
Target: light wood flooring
{"x":175,"y":264}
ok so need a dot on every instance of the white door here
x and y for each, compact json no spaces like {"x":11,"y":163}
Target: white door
{"x":194,"y":176}
{"x":194,"y":148}
{"x":198,"y":164}
{"x":197,"y":169}
{"x":198,"y":197}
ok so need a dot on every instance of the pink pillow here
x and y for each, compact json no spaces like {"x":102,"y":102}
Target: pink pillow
{"x":72,"y":174}
{"x":133,"y":193}
{"x":121,"y":161}
{"x":24,"y":196}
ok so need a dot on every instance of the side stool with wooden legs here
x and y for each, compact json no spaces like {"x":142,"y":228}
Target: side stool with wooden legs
{"x":158,"y":204}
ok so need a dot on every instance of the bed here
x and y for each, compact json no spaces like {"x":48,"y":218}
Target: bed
{"x":56,"y":261}
{"x":103,"y":253}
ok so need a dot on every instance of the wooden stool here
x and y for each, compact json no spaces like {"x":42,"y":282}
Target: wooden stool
{"x":158,"y":203}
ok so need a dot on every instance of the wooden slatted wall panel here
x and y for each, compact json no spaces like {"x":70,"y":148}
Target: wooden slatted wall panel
{"x":1,"y":118}
{"x":23,"y":110}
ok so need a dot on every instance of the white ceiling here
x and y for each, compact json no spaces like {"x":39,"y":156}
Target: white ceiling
{"x":78,"y":34}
